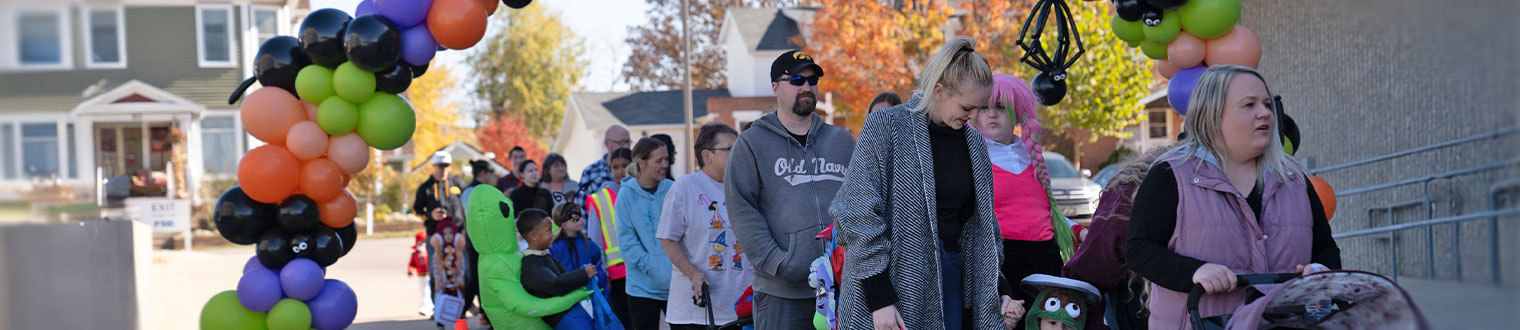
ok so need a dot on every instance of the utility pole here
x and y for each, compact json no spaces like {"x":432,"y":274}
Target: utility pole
{"x":686,"y":82}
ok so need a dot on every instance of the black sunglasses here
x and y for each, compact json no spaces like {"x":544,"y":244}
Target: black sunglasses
{"x":798,"y":80}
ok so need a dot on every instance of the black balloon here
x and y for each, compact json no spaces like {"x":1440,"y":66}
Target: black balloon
{"x":418,"y":70}
{"x":322,"y":36}
{"x":1166,"y":4}
{"x":274,"y":250}
{"x":349,"y":235}
{"x":1050,"y":90}
{"x":326,"y":247}
{"x":241,"y":220}
{"x":298,"y":214}
{"x":395,"y":80}
{"x":516,"y":4}
{"x":373,"y":43}
{"x":1151,"y":17}
{"x":278,"y":61}
{"x":1129,"y":10}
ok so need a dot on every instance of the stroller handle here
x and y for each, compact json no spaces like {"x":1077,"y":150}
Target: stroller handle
{"x":1241,"y":281}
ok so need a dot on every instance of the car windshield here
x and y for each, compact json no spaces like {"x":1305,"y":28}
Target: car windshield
{"x":1059,"y":167}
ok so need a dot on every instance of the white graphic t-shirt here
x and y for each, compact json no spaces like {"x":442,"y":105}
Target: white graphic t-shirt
{"x":697,"y":216}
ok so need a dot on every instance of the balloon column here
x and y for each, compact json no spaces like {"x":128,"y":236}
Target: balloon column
{"x":1185,"y":37}
{"x":329,"y":95}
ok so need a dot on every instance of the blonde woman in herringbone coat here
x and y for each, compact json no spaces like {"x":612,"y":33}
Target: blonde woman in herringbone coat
{"x":915,"y":213}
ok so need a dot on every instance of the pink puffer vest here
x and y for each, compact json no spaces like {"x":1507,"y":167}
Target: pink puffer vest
{"x":1216,"y":225}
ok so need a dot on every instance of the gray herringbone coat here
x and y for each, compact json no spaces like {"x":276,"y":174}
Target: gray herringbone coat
{"x":885,"y":215}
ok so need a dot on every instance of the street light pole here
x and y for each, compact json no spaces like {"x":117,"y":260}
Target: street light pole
{"x":686,"y":84}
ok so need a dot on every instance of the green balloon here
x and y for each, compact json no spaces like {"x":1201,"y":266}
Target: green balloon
{"x":386,"y":121}
{"x":1209,"y":19}
{"x":224,"y":311}
{"x":1129,"y":32}
{"x":337,"y":117}
{"x":314,"y":83}
{"x":352,"y":83}
{"x":1153,"y":50}
{"x":1166,"y":31}
{"x":289,"y":314}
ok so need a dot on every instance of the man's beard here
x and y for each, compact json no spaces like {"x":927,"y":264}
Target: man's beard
{"x":802,"y":107}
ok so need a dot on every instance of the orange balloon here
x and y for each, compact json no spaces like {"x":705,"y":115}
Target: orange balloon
{"x":1165,"y":68}
{"x":338,"y":212}
{"x":1239,"y":47}
{"x":349,"y":151}
{"x":269,"y":173}
{"x":489,"y":6}
{"x":269,"y":112}
{"x":1326,"y":195}
{"x":1186,"y":51}
{"x":306,"y":140}
{"x":457,"y":24}
{"x":321,"y":180}
{"x":311,"y":110}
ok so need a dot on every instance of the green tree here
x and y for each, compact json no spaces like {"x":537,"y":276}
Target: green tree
{"x":528,"y":69}
{"x":655,"y":60}
{"x":1104,"y":87}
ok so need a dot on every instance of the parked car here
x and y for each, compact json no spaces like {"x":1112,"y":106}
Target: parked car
{"x":1106,"y":174}
{"x":1075,"y":194}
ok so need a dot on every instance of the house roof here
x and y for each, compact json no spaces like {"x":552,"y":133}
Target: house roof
{"x":464,"y":152}
{"x":770,"y":28}
{"x":641,"y":108}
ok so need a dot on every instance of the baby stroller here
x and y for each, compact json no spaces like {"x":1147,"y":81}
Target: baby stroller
{"x":1344,"y":299}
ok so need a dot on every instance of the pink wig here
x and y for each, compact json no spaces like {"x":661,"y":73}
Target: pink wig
{"x":1014,"y":96}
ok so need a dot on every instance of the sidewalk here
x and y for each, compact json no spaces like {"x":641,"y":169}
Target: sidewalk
{"x":1451,"y":305}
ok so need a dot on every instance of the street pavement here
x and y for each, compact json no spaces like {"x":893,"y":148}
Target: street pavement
{"x":181,"y":282}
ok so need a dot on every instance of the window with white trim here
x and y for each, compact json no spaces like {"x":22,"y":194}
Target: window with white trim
{"x":213,"y":35}
{"x":105,"y":37}
{"x":41,"y":38}
{"x":265,"y":23}
{"x":219,"y":144}
{"x":39,"y":149}
{"x":1156,"y":124}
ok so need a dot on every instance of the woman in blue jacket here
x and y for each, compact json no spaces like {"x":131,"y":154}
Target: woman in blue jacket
{"x":638,"y":213}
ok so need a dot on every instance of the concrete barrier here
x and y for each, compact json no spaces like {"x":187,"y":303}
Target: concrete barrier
{"x":73,"y":275}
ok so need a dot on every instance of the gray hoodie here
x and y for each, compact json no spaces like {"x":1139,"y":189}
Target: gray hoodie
{"x":778,"y":194}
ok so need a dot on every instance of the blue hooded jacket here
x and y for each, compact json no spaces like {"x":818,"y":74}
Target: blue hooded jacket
{"x":577,"y":252}
{"x":638,"y":216}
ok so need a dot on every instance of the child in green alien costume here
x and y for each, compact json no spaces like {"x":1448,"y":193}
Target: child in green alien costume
{"x":491,"y":229}
{"x":1059,"y":304}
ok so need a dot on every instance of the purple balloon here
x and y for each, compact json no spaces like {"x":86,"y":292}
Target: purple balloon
{"x":1180,"y":89}
{"x":259,"y":289}
{"x":335,"y":307}
{"x":366,"y":7}
{"x":301,"y":279}
{"x":253,"y":263}
{"x":405,"y":13}
{"x":417,"y":45}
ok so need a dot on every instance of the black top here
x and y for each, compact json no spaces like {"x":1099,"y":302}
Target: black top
{"x":544,"y":277}
{"x":1154,"y":218}
{"x":801,"y":139}
{"x":434,"y":194}
{"x":651,"y":190}
{"x":955,"y":201}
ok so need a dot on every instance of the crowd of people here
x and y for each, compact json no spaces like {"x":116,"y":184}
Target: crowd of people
{"x":941,"y":207}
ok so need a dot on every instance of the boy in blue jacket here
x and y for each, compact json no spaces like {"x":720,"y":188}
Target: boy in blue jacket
{"x":572,"y":248}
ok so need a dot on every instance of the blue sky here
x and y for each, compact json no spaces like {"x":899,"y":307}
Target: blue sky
{"x":601,"y":24}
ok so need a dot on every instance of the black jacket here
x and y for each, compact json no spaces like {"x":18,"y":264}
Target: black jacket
{"x":431,"y":194}
{"x":544,"y":277}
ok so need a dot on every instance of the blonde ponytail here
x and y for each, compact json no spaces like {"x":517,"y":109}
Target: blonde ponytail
{"x":956,"y":62}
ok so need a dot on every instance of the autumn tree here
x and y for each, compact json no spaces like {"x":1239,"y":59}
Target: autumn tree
{"x":1104,"y":87}
{"x":868,"y":47}
{"x":502,"y":133}
{"x":528,"y":69}
{"x":438,"y":119}
{"x":655,"y":60}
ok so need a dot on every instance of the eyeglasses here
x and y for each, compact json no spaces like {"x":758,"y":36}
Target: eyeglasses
{"x":721,"y":149}
{"x":623,"y":142}
{"x":799,"y":80}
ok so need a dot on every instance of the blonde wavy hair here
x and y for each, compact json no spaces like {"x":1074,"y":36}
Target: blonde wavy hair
{"x":1207,"y":108}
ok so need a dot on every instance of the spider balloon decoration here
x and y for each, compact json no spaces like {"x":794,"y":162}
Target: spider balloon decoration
{"x":1050,"y":83}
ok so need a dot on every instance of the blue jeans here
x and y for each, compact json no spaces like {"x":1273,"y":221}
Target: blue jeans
{"x":951,"y":266}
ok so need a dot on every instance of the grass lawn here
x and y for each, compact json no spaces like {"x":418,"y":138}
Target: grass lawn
{"x":15,"y":210}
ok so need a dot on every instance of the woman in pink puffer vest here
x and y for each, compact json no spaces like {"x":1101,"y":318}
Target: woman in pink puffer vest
{"x":1228,"y":201}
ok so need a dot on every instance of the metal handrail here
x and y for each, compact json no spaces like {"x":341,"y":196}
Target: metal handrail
{"x":1426,"y":223}
{"x":1465,"y":171}
{"x":1406,"y":152}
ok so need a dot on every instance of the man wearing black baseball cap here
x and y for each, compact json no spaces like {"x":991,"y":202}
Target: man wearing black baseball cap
{"x":782,"y":175}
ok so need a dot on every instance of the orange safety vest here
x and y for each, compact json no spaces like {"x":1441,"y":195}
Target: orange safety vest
{"x":601,"y":204}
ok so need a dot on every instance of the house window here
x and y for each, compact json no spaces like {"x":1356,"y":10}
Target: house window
{"x":266,"y":23}
{"x":105,"y":38}
{"x":8,"y":150}
{"x":213,"y":33}
{"x":219,"y":135}
{"x":40,"y":39}
{"x":1156,"y":124}
{"x":39,"y":149}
